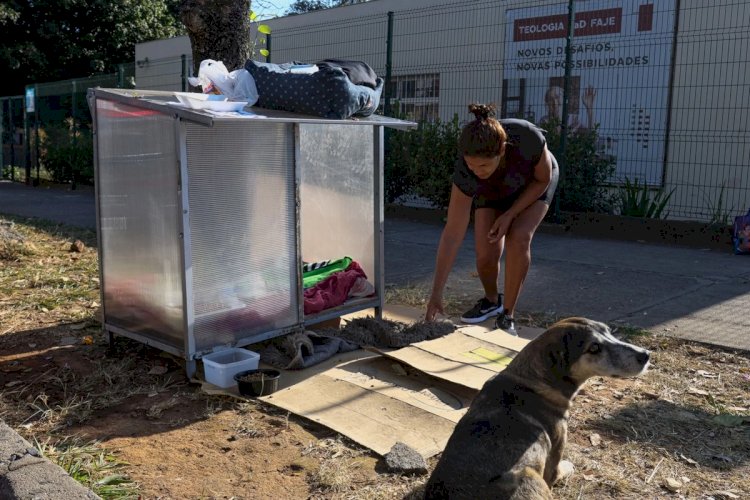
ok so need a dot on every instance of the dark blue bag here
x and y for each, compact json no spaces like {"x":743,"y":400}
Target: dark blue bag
{"x":328,"y":93}
{"x":741,"y":234}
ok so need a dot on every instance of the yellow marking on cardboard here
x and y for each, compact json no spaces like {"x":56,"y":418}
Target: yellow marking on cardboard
{"x":483,"y":354}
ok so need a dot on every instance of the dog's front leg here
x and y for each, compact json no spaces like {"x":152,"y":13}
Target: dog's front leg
{"x":551,"y":468}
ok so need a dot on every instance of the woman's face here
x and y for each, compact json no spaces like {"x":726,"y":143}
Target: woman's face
{"x":483,"y":167}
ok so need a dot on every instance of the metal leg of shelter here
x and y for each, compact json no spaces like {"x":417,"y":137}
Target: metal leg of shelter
{"x":190,"y":368}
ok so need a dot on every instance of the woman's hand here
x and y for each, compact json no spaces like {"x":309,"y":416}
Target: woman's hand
{"x":434,"y":306}
{"x":500,"y":227}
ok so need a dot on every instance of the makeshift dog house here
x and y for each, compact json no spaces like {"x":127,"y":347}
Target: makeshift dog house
{"x":204,"y":219}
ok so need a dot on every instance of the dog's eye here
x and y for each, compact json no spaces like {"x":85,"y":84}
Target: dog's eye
{"x":595,"y":348}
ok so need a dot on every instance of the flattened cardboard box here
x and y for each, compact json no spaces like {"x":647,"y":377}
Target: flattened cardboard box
{"x":414,"y":395}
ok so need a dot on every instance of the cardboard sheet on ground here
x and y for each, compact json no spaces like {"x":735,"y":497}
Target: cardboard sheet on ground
{"x":377,"y":402}
{"x":414,"y":395}
{"x":468,"y":356}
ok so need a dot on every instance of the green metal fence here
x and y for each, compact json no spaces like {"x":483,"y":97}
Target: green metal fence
{"x":13,"y":151}
{"x":657,"y":91}
{"x":660,"y":89}
{"x":47,"y":132}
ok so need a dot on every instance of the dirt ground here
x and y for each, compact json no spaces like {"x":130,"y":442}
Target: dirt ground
{"x":680,"y":431}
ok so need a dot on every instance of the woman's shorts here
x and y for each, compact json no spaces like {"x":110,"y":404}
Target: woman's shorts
{"x":504,"y":204}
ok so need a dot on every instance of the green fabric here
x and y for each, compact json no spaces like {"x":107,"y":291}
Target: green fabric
{"x":312,"y":278}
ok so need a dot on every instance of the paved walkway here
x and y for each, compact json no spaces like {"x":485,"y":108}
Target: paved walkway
{"x":695,"y":294}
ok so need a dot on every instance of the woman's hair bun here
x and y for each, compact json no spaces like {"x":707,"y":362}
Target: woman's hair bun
{"x":482,"y":111}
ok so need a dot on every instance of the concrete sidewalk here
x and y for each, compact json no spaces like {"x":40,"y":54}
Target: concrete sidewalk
{"x":690,"y":293}
{"x":58,"y":205}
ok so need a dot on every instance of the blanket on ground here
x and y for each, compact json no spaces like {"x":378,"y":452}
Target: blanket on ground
{"x":308,"y":348}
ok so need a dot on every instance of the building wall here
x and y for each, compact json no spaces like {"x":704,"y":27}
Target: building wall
{"x":158,"y":64}
{"x":709,"y":148}
{"x":462,"y":43}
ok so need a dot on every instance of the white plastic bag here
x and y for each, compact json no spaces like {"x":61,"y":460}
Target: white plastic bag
{"x":238,"y":85}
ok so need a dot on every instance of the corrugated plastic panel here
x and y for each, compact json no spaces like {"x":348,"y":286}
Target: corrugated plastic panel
{"x":139,"y":221}
{"x":336,"y":193}
{"x":242,"y":225}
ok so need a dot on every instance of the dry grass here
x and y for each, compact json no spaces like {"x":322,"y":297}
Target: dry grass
{"x":454,"y":302}
{"x":683,"y":421}
{"x":672,"y":424}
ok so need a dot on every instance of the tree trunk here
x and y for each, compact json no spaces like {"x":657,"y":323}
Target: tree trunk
{"x":218,"y":30}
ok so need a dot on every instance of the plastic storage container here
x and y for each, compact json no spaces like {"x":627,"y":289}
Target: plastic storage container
{"x":220,"y":367}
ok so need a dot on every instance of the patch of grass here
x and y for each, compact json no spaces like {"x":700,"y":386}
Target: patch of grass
{"x":14,"y":250}
{"x":40,"y":274}
{"x":93,"y":466}
{"x":417,"y":296}
{"x":410,"y":295}
{"x":334,"y":476}
{"x":628,"y":331}
{"x":78,"y":396}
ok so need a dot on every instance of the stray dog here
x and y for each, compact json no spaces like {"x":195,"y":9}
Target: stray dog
{"x":509,"y":443}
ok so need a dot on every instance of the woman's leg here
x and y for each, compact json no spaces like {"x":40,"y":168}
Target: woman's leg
{"x":518,"y":251}
{"x":487,"y":254}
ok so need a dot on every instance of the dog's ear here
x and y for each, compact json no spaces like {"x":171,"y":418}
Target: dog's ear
{"x":558,"y":356}
{"x":564,"y":353}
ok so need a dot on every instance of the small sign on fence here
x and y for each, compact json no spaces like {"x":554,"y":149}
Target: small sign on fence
{"x":30,"y":99}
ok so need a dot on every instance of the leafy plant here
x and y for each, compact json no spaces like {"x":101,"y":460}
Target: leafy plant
{"x":421,"y":161}
{"x":263,"y":29}
{"x":586,"y":171}
{"x":719,"y":215}
{"x":92,"y":466}
{"x":636,"y":200}
{"x":67,"y":153}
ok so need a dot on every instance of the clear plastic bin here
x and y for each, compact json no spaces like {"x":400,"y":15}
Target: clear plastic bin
{"x":220,"y":367}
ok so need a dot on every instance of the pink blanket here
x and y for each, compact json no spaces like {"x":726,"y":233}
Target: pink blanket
{"x":332,"y":291}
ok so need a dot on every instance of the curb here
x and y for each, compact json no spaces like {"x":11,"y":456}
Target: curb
{"x":687,"y":234}
{"x":25,"y":474}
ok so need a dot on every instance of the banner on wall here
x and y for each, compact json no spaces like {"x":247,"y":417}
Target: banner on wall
{"x":620,"y":69}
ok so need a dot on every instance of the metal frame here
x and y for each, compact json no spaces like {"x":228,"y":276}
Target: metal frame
{"x":186,"y":255}
{"x":379,"y":216}
{"x":163,"y":102}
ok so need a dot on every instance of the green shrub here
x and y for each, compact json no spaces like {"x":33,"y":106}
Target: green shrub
{"x":586,"y":171}
{"x":67,"y":153}
{"x":421,"y":161}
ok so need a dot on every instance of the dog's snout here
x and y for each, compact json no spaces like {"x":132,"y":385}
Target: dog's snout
{"x":643,"y":357}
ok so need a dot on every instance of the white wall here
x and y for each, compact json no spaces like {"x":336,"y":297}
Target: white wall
{"x":709,"y":138}
{"x":158,"y":65}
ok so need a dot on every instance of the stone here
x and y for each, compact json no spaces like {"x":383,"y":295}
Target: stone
{"x":405,"y":460}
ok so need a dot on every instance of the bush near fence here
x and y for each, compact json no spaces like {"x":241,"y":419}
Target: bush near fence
{"x":421,"y":162}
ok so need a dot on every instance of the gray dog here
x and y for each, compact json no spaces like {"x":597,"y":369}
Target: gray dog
{"x":509,"y":443}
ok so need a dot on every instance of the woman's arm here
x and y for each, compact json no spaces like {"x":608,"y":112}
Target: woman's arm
{"x":532,"y":192}
{"x":459,"y":212}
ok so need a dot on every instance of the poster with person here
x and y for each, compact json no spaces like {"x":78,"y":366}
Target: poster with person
{"x":620,"y":68}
